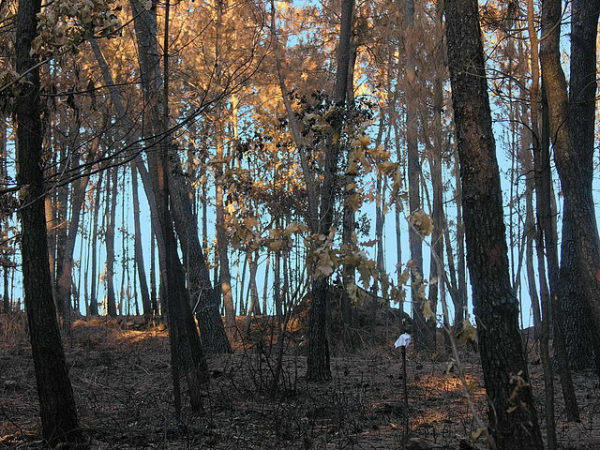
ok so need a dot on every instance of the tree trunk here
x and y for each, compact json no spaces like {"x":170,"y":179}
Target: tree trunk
{"x":57,"y":405}
{"x":547,"y":245}
{"x":4,"y":220}
{"x":204,"y":297}
{"x":318,"y":368}
{"x":547,"y":219}
{"x":111,"y":206}
{"x":222,"y":242}
{"x":65,"y":265}
{"x":138,"y":250}
{"x":572,"y":131}
{"x":265,"y":293}
{"x":581,"y":118}
{"x":460,"y":243}
{"x":186,"y":349}
{"x":435,"y":163}
{"x":60,"y":233}
{"x":93,"y":290}
{"x":205,"y":300}
{"x":512,"y":415}
{"x":5,"y":293}
{"x":422,"y":331}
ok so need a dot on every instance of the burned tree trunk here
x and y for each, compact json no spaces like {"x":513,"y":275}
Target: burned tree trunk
{"x":57,"y":405}
{"x":512,"y":415}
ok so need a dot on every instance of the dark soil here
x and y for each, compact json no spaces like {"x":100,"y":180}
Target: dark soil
{"x":123,"y":392}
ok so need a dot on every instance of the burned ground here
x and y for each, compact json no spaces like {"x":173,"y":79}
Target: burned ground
{"x":122,"y":385}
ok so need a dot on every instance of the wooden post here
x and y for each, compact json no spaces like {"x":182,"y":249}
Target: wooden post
{"x":405,"y":391}
{"x":403,"y":341}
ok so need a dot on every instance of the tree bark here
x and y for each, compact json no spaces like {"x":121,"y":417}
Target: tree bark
{"x":547,"y":249}
{"x":204,"y":298}
{"x":513,"y":420}
{"x":111,"y":206}
{"x":222,"y":242}
{"x":138,"y":250}
{"x":435,"y":164}
{"x":422,"y":331}
{"x":572,"y":134}
{"x":186,"y":349}
{"x":318,"y":361}
{"x":6,"y":308}
{"x":65,"y":265}
{"x":460,"y":244}
{"x":57,"y":405}
{"x":93,"y":290}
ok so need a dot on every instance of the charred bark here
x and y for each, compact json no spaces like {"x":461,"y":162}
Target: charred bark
{"x":513,"y":420}
{"x":57,"y":405}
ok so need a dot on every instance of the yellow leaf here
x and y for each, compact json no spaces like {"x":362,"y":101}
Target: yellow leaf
{"x":24,"y":192}
{"x":427,"y":311}
{"x":404,"y":277}
{"x":230,"y":208}
{"x":325,"y":264}
{"x":399,"y":295}
{"x":370,"y":243}
{"x":352,"y":169}
{"x":385,"y":284}
{"x":275,"y":233}
{"x":468,"y":332}
{"x":352,"y":260}
{"x":251,"y":222}
{"x":387,"y":167}
{"x":293,"y":227}
{"x":277,"y":245}
{"x":354,"y":201}
{"x":422,"y":222}
{"x":366,"y":269}
{"x":398,"y":178}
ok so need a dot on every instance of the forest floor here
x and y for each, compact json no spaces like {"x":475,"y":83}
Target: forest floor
{"x":121,"y":380}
